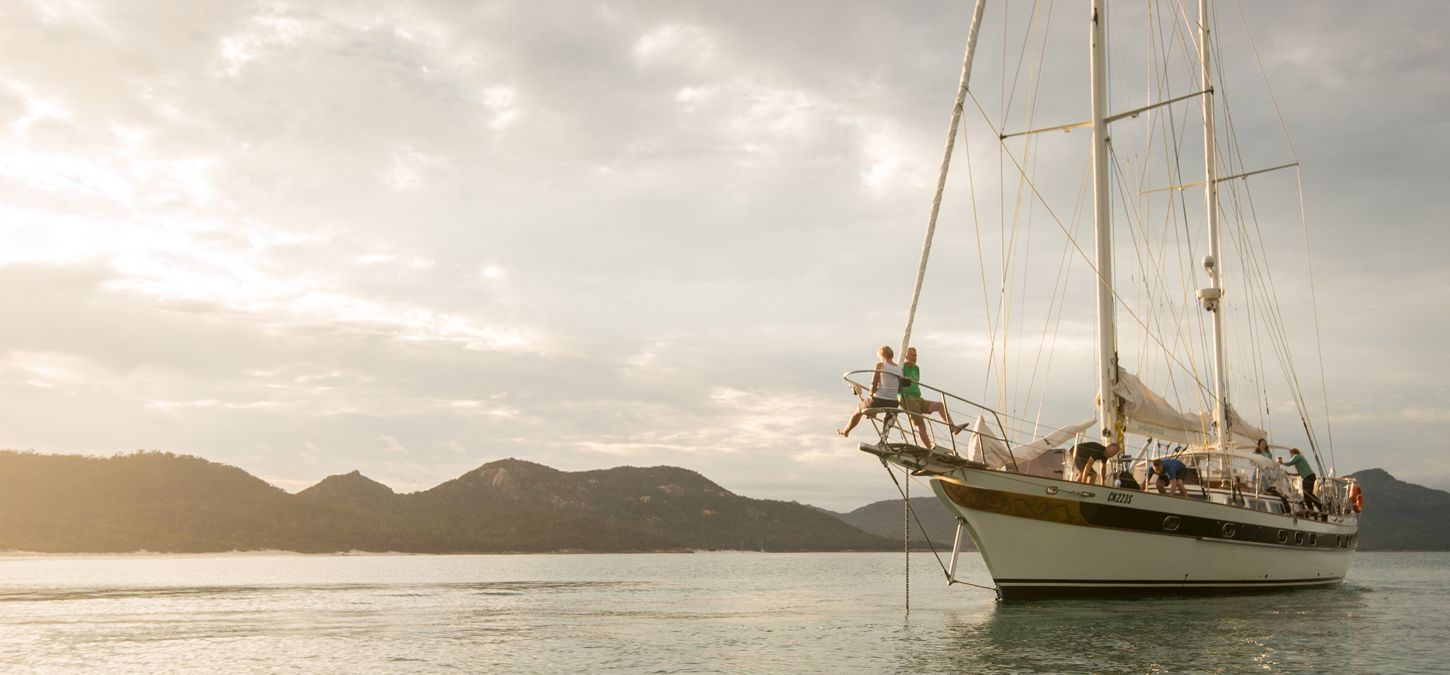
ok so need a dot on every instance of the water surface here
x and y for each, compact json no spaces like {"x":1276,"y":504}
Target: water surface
{"x":703,"y":612}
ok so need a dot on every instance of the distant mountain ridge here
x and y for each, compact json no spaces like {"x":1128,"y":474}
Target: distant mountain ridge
{"x":352,"y":489}
{"x":885,"y":519}
{"x":162,"y":502}
{"x":1400,"y":516}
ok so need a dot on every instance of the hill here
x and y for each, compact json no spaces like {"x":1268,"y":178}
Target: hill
{"x":162,"y":502}
{"x":884,"y":519}
{"x":1400,"y":516}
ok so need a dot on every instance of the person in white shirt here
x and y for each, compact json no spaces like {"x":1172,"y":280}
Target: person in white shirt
{"x":885,"y":384}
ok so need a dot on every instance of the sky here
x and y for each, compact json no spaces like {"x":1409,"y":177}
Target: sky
{"x":304,"y":238}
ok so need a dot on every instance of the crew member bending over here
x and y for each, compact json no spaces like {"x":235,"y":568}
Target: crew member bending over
{"x":1086,"y":456}
{"x":1168,"y":470}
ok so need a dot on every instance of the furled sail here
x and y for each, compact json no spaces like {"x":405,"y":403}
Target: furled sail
{"x":985,"y":447}
{"x":1147,"y":413}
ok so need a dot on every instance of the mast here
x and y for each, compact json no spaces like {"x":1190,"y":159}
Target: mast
{"x":1103,"y":230}
{"x":1212,"y":296}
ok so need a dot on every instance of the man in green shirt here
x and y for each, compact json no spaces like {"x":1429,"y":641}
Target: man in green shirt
{"x":917,"y":406}
{"x":1301,"y":467}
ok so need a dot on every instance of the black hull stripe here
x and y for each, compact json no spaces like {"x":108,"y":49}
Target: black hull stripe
{"x":1113,"y":516}
{"x":1176,"y":582}
{"x":1051,"y":591}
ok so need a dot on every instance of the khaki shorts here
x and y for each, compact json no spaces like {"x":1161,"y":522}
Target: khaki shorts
{"x":915,"y":404}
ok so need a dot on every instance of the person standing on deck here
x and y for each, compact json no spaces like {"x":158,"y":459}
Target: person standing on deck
{"x":885,"y":384}
{"x":1263,"y":480}
{"x":913,"y":403}
{"x":1306,"y":475}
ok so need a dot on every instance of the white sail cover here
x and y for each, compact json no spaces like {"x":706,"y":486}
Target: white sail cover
{"x":1147,"y":413}
{"x":984,"y":447}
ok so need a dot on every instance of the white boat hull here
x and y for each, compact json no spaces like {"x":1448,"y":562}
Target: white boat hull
{"x":1042,"y":537}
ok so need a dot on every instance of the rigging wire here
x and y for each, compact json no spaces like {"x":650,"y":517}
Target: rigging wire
{"x":905,"y":491}
{"x":1194,"y":374}
{"x":1267,"y":288}
{"x":906,"y":540}
{"x":1031,"y":149}
{"x":1174,"y":170}
{"x":1076,"y":246}
{"x":977,"y":228}
{"x":1234,"y":159}
{"x":1156,"y":308}
{"x":1058,"y":302}
{"x":1003,"y":365}
{"x":946,"y":162}
{"x":1304,"y":225}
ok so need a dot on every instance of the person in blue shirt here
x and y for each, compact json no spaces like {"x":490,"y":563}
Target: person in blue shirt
{"x":1168,"y":470}
{"x":1301,"y":467}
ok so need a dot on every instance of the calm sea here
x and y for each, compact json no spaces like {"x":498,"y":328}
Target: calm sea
{"x":704,"y":612}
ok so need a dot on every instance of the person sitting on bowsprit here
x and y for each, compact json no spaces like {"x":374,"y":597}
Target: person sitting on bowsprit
{"x":885,"y":382}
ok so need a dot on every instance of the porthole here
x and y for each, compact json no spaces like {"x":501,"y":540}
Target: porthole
{"x":1052,"y":489}
{"x":1298,"y":538}
{"x":1170,"y":523}
{"x":1283,"y":537}
{"x":1228,"y":530}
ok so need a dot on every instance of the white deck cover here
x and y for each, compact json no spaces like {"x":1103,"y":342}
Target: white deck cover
{"x":984,"y":447}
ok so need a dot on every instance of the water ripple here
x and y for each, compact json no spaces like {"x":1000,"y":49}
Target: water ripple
{"x":684,"y":613}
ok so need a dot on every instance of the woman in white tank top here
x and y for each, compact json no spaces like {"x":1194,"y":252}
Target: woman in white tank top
{"x":884,"y":386}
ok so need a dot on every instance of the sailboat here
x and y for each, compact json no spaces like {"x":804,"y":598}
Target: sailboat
{"x":1241,"y":523}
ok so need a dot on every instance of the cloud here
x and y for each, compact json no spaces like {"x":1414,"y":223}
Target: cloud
{"x":675,"y":44}
{"x":261,"y":34}
{"x":302,"y":238}
{"x":1413,"y":416}
{"x":392,"y":446}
